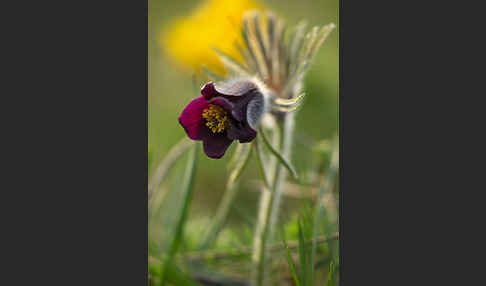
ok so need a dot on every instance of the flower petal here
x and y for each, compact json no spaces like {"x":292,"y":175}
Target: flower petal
{"x":235,"y":87}
{"x":240,"y":105}
{"x":191,"y":118}
{"x":223,"y":102}
{"x":240,"y":131}
{"x":215,"y":145}
{"x":208,"y":90}
{"x":242,"y":99}
{"x":254,"y":111}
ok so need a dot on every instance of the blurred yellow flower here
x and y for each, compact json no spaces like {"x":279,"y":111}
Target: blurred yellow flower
{"x":215,"y":23}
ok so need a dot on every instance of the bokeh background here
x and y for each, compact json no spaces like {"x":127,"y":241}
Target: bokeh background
{"x":170,"y":89}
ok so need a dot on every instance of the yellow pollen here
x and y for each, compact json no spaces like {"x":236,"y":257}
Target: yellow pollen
{"x":216,"y":118}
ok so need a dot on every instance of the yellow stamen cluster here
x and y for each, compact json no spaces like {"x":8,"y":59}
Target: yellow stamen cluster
{"x":216,"y":118}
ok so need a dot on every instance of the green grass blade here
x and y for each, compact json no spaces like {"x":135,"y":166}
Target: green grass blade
{"x":279,"y":157}
{"x":236,"y":156}
{"x":302,"y":256}
{"x":291,"y":265}
{"x":187,"y":191}
{"x":162,"y":170}
{"x":330,"y":280}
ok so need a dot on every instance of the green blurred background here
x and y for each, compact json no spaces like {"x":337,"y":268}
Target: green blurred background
{"x":170,"y":89}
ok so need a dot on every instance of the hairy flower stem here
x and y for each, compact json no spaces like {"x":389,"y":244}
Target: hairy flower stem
{"x":270,"y":204}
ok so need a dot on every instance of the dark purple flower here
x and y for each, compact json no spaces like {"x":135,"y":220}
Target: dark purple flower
{"x":225,"y":112}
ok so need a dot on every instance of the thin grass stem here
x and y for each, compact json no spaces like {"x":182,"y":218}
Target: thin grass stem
{"x":187,"y":192}
{"x":211,"y":254}
{"x":162,"y":170}
{"x":230,"y":193}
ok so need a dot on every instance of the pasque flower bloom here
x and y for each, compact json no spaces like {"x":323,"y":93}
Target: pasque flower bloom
{"x":224,"y":113}
{"x":268,"y":80}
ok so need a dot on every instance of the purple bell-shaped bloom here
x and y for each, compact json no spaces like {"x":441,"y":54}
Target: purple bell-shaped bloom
{"x":225,"y":112}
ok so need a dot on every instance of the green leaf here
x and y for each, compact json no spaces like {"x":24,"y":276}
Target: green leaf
{"x":261,"y":166}
{"x":296,"y":45}
{"x":253,"y":47}
{"x":186,"y":194}
{"x":260,"y":40}
{"x":277,"y":60}
{"x":306,"y":51}
{"x":245,"y":35}
{"x":290,"y":101}
{"x":320,"y":38}
{"x":271,"y":23}
{"x":282,"y":160}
